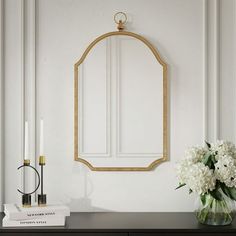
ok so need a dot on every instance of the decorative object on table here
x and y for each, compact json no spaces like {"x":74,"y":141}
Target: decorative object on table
{"x":211,"y":173}
{"x":51,"y":215}
{"x":26,"y":197}
{"x":28,"y":215}
{"x":42,"y":198}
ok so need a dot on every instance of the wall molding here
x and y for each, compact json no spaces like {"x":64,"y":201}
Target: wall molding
{"x":22,"y":87}
{"x":30,"y":75}
{"x":28,"y":80}
{"x":234,"y":50}
{"x":108,"y":96}
{"x":205,"y":70}
{"x":211,"y":70}
{"x":217,"y":68}
{"x":2,"y":172}
{"x":108,"y":107}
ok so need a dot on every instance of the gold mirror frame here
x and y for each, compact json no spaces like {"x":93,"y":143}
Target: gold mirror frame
{"x":76,"y":117}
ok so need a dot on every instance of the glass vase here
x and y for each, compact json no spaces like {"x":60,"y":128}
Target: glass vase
{"x":210,"y":211}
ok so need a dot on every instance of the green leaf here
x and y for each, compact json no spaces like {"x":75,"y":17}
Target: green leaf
{"x":207,"y":160}
{"x":230,"y":192}
{"x":180,"y":186}
{"x":225,"y":189}
{"x":218,"y":184}
{"x":203,"y":199}
{"x":208,"y":144}
{"x":190,"y":191}
{"x":216,"y":194}
{"x":233,"y":193}
{"x":213,"y":159}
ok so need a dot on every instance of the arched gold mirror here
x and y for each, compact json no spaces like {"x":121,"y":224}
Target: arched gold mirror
{"x":120,"y":113}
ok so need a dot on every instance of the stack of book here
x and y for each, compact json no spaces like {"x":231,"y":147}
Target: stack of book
{"x":50,"y":215}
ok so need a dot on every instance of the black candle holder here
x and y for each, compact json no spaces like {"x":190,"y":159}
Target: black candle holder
{"x":42,"y":198}
{"x":26,"y":197}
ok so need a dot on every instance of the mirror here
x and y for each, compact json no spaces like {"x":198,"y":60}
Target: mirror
{"x":120,"y":104}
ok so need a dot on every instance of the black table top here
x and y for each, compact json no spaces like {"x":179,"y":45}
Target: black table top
{"x":129,"y":222}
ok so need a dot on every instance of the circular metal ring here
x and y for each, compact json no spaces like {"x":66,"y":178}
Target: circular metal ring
{"x":38,"y":179}
{"x":121,"y":14}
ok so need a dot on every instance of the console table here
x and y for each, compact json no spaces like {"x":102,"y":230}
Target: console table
{"x":126,"y":224}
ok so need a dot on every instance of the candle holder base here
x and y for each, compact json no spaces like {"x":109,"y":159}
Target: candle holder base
{"x":42,"y":199}
{"x":26,"y":200}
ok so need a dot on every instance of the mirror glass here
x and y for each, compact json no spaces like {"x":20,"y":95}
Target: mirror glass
{"x":120,"y":106}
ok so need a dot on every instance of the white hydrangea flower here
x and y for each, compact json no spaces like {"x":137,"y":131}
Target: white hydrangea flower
{"x":201,"y":179}
{"x":222,"y":148}
{"x":182,"y":169}
{"x":195,"y":154}
{"x":225,"y":170}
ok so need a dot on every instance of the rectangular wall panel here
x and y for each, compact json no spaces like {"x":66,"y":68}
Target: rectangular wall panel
{"x":93,"y":96}
{"x":140,"y":100}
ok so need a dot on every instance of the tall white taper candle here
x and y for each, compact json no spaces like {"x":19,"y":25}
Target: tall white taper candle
{"x":41,"y":144}
{"x":26,"y":151}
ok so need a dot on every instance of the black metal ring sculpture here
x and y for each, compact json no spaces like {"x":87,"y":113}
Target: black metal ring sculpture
{"x":38,"y":179}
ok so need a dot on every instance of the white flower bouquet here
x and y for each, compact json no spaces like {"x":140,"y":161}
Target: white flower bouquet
{"x":211,"y":173}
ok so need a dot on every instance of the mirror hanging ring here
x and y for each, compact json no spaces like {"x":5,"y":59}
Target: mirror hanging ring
{"x":120,"y":19}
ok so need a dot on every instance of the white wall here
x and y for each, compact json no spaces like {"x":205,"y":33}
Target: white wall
{"x":43,"y":39}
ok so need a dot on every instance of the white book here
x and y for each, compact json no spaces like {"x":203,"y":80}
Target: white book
{"x":51,"y":221}
{"x":16,"y":212}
